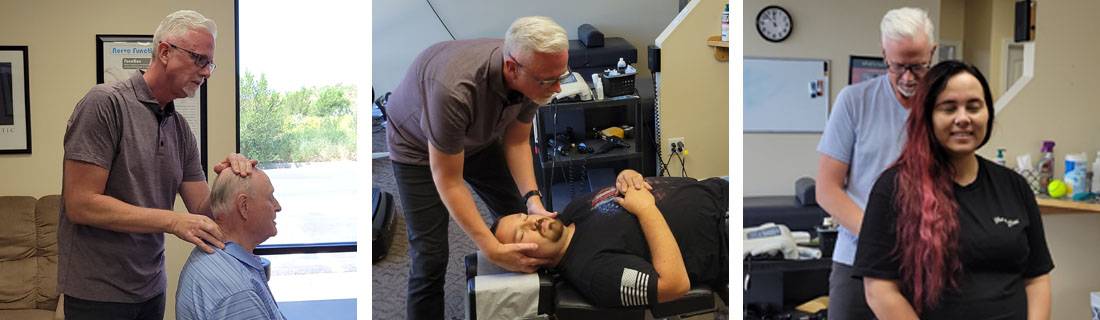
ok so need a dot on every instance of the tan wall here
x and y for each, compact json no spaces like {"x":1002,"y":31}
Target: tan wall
{"x":977,"y":48}
{"x":952,"y":26}
{"x":831,"y":30}
{"x":694,"y":93}
{"x":988,"y":29}
{"x":1060,"y":104}
{"x":61,"y":40}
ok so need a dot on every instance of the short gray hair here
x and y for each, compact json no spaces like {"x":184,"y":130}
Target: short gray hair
{"x":179,"y":23}
{"x":226,"y":188}
{"x":535,"y":34}
{"x":907,"y":23}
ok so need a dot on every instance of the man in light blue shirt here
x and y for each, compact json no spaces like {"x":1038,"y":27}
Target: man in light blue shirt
{"x":230,"y":283}
{"x":864,"y":136}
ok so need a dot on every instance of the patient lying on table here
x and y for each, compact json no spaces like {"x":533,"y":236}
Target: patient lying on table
{"x":629,"y":246}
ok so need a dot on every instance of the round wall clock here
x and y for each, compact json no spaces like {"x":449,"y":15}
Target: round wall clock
{"x":774,"y":23}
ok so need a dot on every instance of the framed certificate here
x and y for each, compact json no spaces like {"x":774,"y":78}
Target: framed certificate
{"x":119,"y":57}
{"x":865,"y":68}
{"x":15,"y":105}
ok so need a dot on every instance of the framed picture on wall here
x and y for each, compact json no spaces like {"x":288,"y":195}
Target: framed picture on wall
{"x":861,"y":68}
{"x":120,"y":57}
{"x":15,"y":100}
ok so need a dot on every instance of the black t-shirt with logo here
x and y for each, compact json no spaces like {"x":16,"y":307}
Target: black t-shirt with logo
{"x":1001,"y":244}
{"x":608,"y":260}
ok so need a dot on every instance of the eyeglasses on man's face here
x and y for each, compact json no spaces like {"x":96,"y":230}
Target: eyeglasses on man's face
{"x":200,"y":60}
{"x":915,"y":68}
{"x":544,"y":83}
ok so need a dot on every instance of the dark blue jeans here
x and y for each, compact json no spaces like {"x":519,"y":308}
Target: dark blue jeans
{"x":80,"y":309}
{"x":426,"y":219}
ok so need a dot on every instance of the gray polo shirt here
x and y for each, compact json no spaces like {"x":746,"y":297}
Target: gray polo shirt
{"x":454,"y":96}
{"x":148,"y":154}
{"x":866,"y":130}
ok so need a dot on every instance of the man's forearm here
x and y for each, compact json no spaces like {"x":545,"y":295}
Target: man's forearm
{"x":521,"y":165}
{"x":667,"y":259}
{"x":517,"y":153}
{"x":1038,"y":297}
{"x":106,"y":212}
{"x":460,"y":204}
{"x":840,"y":206}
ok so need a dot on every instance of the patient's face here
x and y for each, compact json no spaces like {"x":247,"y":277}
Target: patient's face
{"x":524,"y":228}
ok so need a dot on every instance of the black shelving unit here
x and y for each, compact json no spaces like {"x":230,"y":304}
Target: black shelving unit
{"x":564,"y":176}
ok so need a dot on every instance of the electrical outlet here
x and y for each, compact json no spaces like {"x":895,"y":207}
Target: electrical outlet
{"x":674,"y":141}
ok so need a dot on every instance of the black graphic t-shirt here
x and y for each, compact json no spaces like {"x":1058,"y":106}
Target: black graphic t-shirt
{"x":608,"y":260}
{"x":1001,"y":244}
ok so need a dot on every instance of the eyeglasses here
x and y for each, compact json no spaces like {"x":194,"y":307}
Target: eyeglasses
{"x":544,"y":83}
{"x":200,"y":60}
{"x":916,"y":68}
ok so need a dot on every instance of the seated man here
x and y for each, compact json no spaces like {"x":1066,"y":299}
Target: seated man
{"x":628,"y":246}
{"x":230,"y":283}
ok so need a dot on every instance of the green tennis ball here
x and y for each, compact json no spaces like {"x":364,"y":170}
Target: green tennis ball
{"x":1057,"y":189}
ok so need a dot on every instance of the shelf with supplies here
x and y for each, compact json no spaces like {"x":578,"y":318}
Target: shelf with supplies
{"x":560,"y":130}
{"x":1055,"y":206}
{"x":618,"y":153}
{"x":593,"y":104}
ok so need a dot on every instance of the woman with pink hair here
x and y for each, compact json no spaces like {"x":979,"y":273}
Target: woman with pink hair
{"x":948,"y":234}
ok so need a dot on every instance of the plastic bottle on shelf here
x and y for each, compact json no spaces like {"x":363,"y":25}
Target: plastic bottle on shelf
{"x":1000,"y":157}
{"x":726,"y":23}
{"x":1046,"y":165}
{"x":1075,"y":175}
{"x":1096,"y":174}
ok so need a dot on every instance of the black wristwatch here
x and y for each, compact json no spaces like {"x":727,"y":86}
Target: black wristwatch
{"x":530,"y":194}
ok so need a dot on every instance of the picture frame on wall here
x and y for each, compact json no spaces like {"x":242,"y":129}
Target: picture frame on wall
{"x":119,"y":57}
{"x":862,"y":68}
{"x":15,"y":105}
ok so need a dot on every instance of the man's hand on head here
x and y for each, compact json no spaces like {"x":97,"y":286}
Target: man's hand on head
{"x":534,"y":207}
{"x":630,"y":179}
{"x":241,"y":165}
{"x":197,"y":229}
{"x":514,"y":257}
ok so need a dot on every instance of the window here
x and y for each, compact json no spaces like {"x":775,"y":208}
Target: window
{"x":300,"y":80}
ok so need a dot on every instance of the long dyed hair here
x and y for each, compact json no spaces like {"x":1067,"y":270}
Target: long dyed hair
{"x":927,"y":223}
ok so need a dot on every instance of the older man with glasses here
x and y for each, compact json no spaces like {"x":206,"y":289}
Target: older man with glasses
{"x":128,"y":153}
{"x":864,"y":135}
{"x":463,"y":114}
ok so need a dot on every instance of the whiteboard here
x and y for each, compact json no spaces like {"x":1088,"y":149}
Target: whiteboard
{"x":786,"y":95}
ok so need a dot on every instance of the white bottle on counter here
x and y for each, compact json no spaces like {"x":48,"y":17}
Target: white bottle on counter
{"x":1096,"y":174}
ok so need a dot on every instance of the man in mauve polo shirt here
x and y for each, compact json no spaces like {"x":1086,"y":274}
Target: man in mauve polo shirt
{"x":128,"y":153}
{"x":463,"y":113}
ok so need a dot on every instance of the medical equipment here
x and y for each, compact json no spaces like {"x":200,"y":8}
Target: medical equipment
{"x":770,"y":238}
{"x":574,"y":87}
{"x":557,"y":299}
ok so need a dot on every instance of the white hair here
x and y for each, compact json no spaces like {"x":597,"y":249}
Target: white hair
{"x":179,"y":23}
{"x":535,"y":34}
{"x":907,"y":23}
{"x":225,"y":190}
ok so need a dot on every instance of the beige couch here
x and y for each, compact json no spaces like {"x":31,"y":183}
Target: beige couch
{"x":28,"y":257}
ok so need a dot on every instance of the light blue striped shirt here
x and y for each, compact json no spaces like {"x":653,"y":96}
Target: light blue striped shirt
{"x":227,"y":284}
